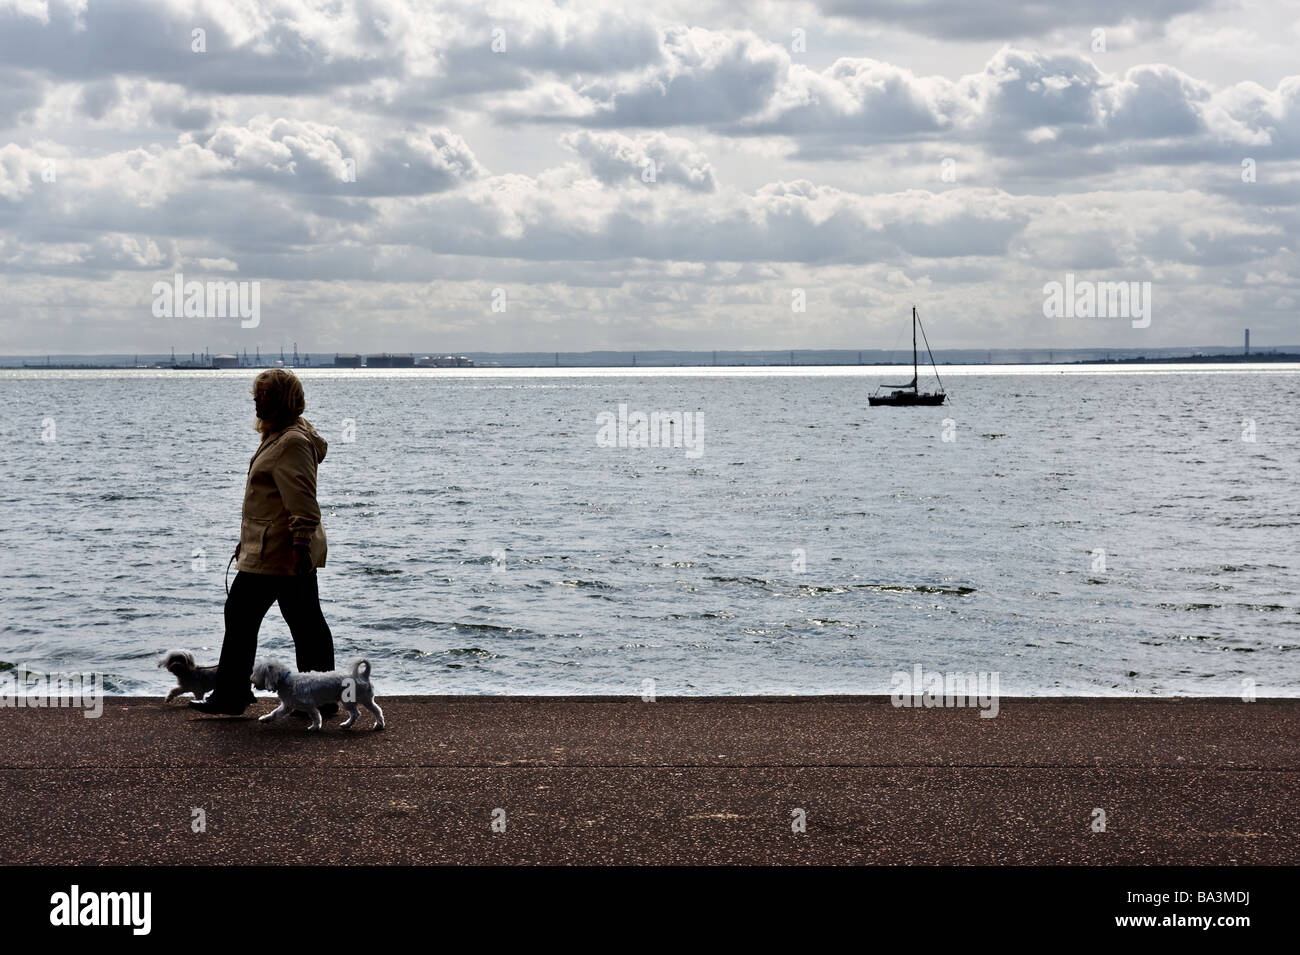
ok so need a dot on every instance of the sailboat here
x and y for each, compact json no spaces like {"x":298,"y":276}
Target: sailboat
{"x":909,"y":394}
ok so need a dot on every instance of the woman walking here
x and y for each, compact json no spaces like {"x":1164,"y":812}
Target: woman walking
{"x":281,"y":543}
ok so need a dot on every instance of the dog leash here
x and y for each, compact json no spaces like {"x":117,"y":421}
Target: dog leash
{"x":231,"y":561}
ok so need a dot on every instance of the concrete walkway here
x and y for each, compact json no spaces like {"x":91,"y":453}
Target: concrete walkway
{"x":606,"y":780}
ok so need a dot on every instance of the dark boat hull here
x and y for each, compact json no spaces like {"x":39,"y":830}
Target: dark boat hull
{"x":905,"y":398}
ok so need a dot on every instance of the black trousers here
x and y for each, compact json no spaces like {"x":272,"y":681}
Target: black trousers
{"x":251,"y":596}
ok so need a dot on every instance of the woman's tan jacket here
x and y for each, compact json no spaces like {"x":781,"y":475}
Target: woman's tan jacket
{"x":280,"y":501}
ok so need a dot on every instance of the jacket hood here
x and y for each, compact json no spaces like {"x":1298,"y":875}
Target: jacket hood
{"x":303,"y":425}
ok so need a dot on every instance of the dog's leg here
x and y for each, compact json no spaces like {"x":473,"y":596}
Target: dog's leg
{"x":275,"y":714}
{"x":353,"y":712}
{"x":314,"y":713}
{"x":373,"y":707}
{"x":173,"y":693}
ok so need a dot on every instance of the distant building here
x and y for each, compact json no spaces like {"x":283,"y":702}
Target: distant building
{"x":225,"y":361}
{"x":347,"y":360}
{"x":445,"y":361}
{"x":390,"y":361}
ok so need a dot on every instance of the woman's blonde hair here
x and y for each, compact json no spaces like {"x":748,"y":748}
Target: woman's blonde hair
{"x":283,"y":399}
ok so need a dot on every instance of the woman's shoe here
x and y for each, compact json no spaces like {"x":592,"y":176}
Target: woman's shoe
{"x":218,"y":707}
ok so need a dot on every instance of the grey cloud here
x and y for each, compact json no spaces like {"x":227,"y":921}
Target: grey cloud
{"x":1006,"y":19}
{"x":604,"y":43}
{"x":857,"y":101}
{"x":467,"y":66}
{"x":96,"y":97}
{"x":1026,"y":105}
{"x":783,"y":222}
{"x":707,"y":77}
{"x":616,"y":159}
{"x":357,"y":48}
{"x":1263,"y":192}
{"x":302,"y":156}
{"x":163,"y":104}
{"x":1157,"y":101}
{"x":142,"y":38}
{"x":1192,"y":243}
{"x":1020,"y":91}
{"x":20,"y":91}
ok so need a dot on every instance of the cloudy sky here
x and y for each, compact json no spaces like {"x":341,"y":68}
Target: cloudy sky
{"x":381,"y":168}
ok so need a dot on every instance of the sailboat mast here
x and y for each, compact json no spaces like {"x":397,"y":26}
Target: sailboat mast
{"x":914,"y":375}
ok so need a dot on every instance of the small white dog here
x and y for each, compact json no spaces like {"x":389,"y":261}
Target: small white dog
{"x":307,"y":691}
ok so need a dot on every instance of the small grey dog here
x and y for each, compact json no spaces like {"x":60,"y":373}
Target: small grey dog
{"x":307,"y":691}
{"x":192,"y":678}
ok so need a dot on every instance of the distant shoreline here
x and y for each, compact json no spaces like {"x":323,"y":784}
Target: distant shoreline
{"x":1270,"y":358}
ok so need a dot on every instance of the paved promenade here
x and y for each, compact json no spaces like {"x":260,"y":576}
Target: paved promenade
{"x":607,"y":780}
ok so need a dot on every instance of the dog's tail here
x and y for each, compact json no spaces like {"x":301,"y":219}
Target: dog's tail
{"x":177,"y":658}
{"x":361,"y":671}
